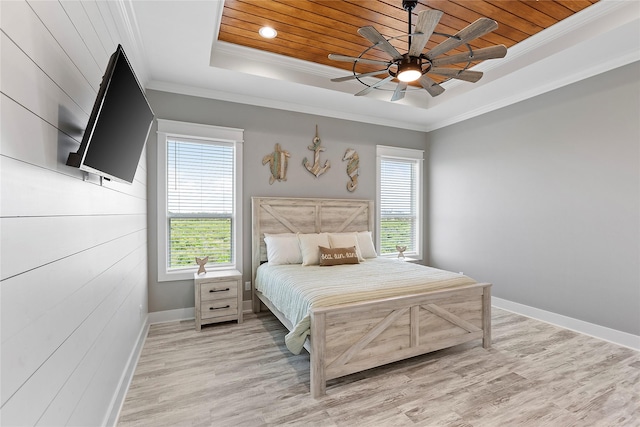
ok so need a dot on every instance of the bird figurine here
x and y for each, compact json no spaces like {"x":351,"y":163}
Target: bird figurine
{"x":401,"y":250}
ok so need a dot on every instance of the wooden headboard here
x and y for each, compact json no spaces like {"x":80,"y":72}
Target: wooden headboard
{"x":302,"y":215}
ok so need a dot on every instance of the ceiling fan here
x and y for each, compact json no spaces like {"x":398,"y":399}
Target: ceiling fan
{"x":416,"y":65}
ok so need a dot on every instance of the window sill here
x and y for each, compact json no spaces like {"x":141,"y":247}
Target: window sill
{"x":174,"y":276}
{"x":409,"y":258}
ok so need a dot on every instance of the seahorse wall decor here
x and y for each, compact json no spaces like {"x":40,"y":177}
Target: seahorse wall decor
{"x":353,"y":168}
{"x":315,"y":167}
{"x":278,"y":161}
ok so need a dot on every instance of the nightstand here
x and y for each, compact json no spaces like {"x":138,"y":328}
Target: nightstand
{"x":218,"y":297}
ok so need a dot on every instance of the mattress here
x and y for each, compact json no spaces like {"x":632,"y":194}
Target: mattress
{"x":294,"y":289}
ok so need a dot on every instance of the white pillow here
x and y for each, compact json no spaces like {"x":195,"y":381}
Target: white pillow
{"x":283,"y":248}
{"x":310,"y":247}
{"x":346,"y":240}
{"x":365,"y":242}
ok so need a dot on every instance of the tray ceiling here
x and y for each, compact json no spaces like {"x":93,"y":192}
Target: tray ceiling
{"x":212,"y":49}
{"x":311,"y":30}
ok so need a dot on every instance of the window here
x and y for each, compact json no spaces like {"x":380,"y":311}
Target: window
{"x":399,"y":195}
{"x":199,"y":198}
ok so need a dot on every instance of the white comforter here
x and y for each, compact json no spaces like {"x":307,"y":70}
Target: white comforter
{"x":294,"y":289}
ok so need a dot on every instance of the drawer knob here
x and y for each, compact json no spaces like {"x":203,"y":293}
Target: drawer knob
{"x":219,"y":308}
{"x":218,"y":290}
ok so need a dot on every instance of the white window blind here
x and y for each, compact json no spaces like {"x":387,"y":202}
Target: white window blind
{"x":399,"y":201}
{"x":199,"y":198}
{"x":200,"y":202}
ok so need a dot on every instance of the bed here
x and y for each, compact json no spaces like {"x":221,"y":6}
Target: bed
{"x":344,"y":334}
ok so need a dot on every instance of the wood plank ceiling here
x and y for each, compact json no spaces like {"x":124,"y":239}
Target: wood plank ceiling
{"x":311,"y":30}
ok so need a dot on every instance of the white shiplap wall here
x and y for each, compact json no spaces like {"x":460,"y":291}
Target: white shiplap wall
{"x":73,"y":253}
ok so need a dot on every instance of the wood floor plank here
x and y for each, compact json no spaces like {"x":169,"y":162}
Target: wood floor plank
{"x":242,"y":375}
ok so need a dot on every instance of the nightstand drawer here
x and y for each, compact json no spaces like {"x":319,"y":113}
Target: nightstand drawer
{"x":219,"y":308}
{"x":218,"y":290}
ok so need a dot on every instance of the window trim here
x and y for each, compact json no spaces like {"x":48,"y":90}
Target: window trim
{"x":196,"y":131}
{"x":385,"y":151}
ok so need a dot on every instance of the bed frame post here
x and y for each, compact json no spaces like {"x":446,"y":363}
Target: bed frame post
{"x":255,"y":250}
{"x":317,"y":338}
{"x":486,"y":317}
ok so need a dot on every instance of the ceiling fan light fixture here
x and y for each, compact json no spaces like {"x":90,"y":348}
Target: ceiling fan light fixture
{"x":409,"y":75}
{"x":268,"y":32}
{"x":409,"y":69}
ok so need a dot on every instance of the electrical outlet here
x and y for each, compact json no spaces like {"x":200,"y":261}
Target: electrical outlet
{"x":247,"y":286}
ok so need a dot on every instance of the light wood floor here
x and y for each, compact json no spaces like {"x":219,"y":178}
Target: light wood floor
{"x":242,"y":375}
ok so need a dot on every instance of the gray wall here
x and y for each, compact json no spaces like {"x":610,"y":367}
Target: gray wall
{"x":542,"y":199}
{"x":264,"y":127}
{"x":74,"y":253}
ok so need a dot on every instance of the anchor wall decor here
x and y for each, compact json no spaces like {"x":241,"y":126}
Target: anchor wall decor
{"x":315,"y":168}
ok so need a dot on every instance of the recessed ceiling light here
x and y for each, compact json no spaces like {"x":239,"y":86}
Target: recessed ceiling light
{"x":267,"y":32}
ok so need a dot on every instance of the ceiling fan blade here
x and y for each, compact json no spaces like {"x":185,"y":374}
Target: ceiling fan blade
{"x":344,"y":58}
{"x":498,"y":51}
{"x":430,"y":86}
{"x":427,"y":21}
{"x":373,"y":86}
{"x":352,"y":76}
{"x":378,"y":39}
{"x":466,"y":75}
{"x":472,"y":31}
{"x":399,"y":92}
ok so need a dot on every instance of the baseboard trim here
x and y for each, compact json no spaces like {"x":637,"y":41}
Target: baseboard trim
{"x":172,"y":315}
{"x":184,"y":314}
{"x":127,"y":376}
{"x":601,"y":332}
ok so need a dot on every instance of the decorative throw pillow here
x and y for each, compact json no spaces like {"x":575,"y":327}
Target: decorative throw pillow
{"x":345,"y":240}
{"x":309,"y":246}
{"x":336,"y":256}
{"x":283,"y":248}
{"x":365,"y":243}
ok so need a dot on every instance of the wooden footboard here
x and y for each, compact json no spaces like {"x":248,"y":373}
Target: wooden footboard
{"x":351,"y":338}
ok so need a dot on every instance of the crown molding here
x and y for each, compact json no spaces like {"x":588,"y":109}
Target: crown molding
{"x":604,"y":9}
{"x":272,"y":59}
{"x":278,"y":105}
{"x":128,"y":24}
{"x":519,"y":96}
{"x":617,"y":22}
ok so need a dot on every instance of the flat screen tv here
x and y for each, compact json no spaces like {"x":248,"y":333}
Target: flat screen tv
{"x":118,"y":126}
